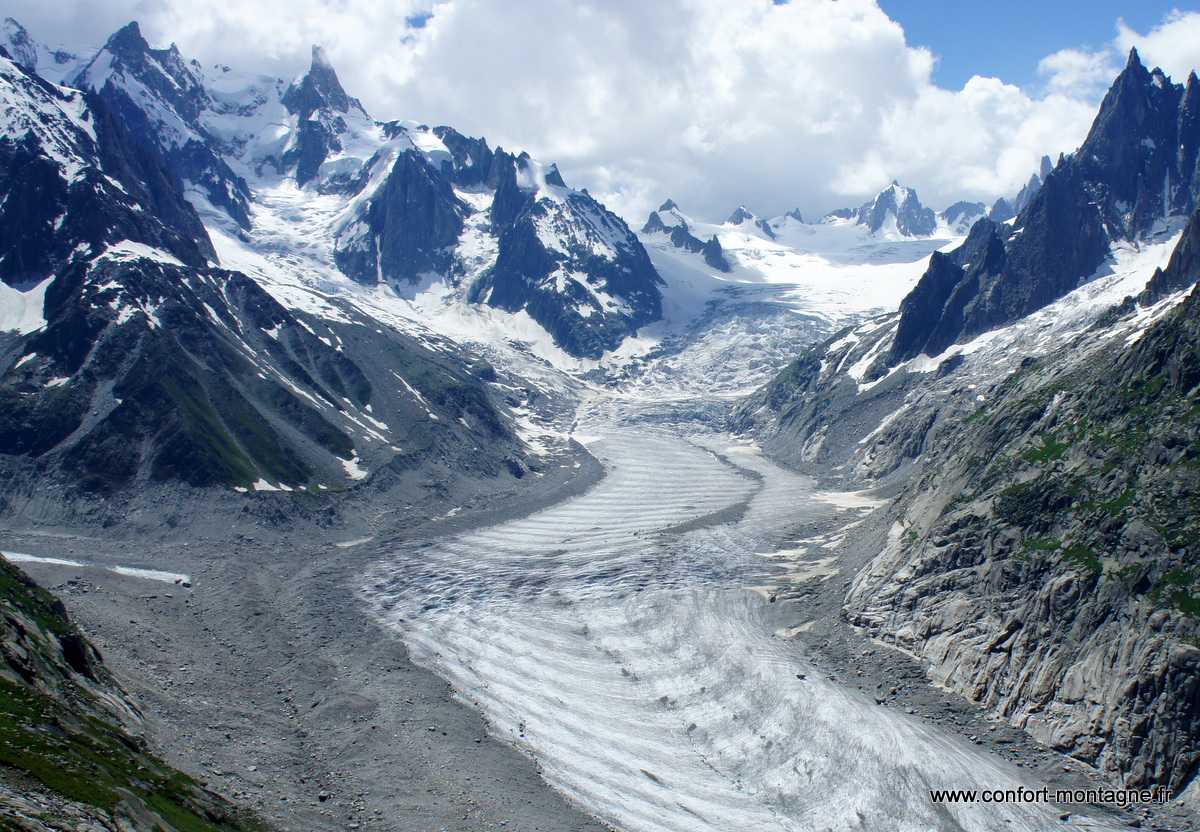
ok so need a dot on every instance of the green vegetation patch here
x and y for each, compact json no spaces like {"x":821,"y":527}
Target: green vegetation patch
{"x":54,"y":730}
{"x":1083,"y":556}
{"x":1051,"y":449}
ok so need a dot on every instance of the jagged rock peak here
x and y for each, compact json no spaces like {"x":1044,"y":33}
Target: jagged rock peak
{"x":1001,"y":211}
{"x":127,"y":41}
{"x":911,"y":218}
{"x":841,"y":214}
{"x":795,"y":214}
{"x":319,"y":88}
{"x":553,"y":177}
{"x":127,"y":48}
{"x":654,"y":224}
{"x":669,"y":205}
{"x":740,"y":215}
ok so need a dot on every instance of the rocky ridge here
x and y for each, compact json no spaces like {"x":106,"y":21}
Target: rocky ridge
{"x":1135,"y":169}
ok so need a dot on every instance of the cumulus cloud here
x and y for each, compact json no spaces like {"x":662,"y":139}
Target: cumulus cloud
{"x":1173,"y":45}
{"x":808,"y":103}
{"x":1079,"y":74}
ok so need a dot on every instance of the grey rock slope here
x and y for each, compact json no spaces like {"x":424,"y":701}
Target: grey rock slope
{"x":1044,"y":556}
{"x":1047,"y":564}
{"x":1136,"y":168}
{"x":69,"y":758}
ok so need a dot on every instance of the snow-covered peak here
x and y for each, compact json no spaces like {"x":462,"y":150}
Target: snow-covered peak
{"x":54,"y":119}
{"x":541,"y":180}
{"x":158,"y":79}
{"x":318,"y":89}
{"x":897,"y":212}
{"x":744,"y":216}
{"x":53,"y":65}
{"x":960,"y":216}
{"x":666,"y":219}
{"x":17,"y":43}
{"x":740,"y":215}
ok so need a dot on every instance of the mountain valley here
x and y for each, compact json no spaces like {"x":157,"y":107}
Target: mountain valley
{"x":402,"y":485}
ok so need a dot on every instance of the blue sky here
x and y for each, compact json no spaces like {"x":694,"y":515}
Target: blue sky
{"x":1008,"y":39}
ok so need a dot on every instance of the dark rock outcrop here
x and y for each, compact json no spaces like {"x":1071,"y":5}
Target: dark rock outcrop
{"x":159,"y":99}
{"x":1136,"y":167}
{"x":409,"y":226}
{"x":572,"y":265}
{"x":319,"y":103}
{"x":67,"y":191}
{"x":962,"y":215}
{"x":682,"y":237}
{"x":1182,"y":270}
{"x":1001,"y":211}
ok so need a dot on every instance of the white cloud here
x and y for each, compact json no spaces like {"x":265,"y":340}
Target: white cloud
{"x":811,"y":103}
{"x":1078,"y":73}
{"x":1173,"y":45}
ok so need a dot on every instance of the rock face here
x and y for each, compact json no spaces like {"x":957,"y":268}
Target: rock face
{"x":1048,"y":568}
{"x":573,"y":266}
{"x":1044,"y":552}
{"x":899,"y":208}
{"x":1001,"y":211}
{"x":1025,"y":195}
{"x":1181,"y":271}
{"x":962,"y":215}
{"x":934,"y":313}
{"x":72,"y":182}
{"x":1045,"y":549}
{"x":1136,"y":168}
{"x":320,"y":105}
{"x":159,"y":98}
{"x":64,"y":727}
{"x":409,"y":227}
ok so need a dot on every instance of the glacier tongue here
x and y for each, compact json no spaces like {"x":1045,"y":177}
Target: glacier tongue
{"x":613,"y":638}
